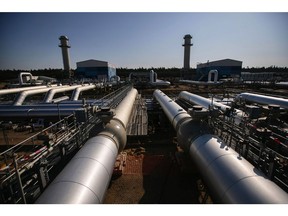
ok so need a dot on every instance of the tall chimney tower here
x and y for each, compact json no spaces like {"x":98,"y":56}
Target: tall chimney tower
{"x":65,"y":54}
{"x":187,"y":44}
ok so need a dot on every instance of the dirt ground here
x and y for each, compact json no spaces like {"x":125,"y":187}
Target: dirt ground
{"x":154,"y":174}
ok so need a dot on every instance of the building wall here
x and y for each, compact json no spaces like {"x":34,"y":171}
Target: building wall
{"x":226,"y":68}
{"x":265,"y":76}
{"x":92,"y":63}
{"x":99,"y":73}
{"x":95,"y":69}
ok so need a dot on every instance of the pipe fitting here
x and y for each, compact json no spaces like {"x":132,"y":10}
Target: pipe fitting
{"x":188,"y":131}
{"x":115,"y":131}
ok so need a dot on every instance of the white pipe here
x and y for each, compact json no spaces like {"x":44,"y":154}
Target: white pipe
{"x":17,"y":90}
{"x":60,"y":99}
{"x":263,"y":99}
{"x":21,"y":77}
{"x":49,"y":96}
{"x":22,"y":96}
{"x":78,"y":90}
{"x":215,"y":72}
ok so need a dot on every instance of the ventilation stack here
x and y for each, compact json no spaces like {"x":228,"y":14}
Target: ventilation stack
{"x":187,"y":44}
{"x":65,"y":54}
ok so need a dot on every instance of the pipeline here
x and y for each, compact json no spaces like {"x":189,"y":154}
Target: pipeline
{"x":86,"y":177}
{"x":263,"y":99}
{"x":203,"y":83}
{"x":229,"y":177}
{"x":17,"y":90}
{"x":60,"y":99}
{"x":21,"y":81}
{"x":39,"y":112}
{"x":78,"y":90}
{"x":49,"y":96}
{"x":22,"y":96}
{"x":207,"y":103}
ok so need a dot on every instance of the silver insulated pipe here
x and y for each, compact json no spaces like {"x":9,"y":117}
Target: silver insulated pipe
{"x":263,"y":99}
{"x":86,"y":177}
{"x":230,"y":178}
{"x":206,"y":103}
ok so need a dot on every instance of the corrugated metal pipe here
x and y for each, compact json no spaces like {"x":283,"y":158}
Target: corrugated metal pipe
{"x":263,"y":99}
{"x":230,"y":178}
{"x":86,"y":177}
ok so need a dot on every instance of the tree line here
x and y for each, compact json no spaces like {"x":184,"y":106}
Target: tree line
{"x":8,"y":75}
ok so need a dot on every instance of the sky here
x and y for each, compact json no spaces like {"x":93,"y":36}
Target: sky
{"x":142,"y":39}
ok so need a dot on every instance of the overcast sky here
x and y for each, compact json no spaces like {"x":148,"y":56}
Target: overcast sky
{"x":142,"y":39}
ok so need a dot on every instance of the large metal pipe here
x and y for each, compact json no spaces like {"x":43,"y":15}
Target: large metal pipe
{"x":86,"y":177}
{"x":263,"y":99}
{"x":229,"y":177}
{"x":49,"y":96}
{"x":207,"y":103}
{"x":77,"y":91}
{"x":22,"y":96}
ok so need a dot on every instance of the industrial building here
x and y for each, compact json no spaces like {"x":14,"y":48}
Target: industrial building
{"x":96,"y":69}
{"x":227,"y":68}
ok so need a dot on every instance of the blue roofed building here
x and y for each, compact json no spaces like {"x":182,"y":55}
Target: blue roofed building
{"x":95,"y":69}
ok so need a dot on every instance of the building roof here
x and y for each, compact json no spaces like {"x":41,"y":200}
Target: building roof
{"x":223,"y":62}
{"x":92,"y":63}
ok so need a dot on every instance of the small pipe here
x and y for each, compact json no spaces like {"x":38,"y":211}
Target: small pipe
{"x":49,"y":95}
{"x":60,"y":99}
{"x":19,"y":179}
{"x":78,"y":90}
